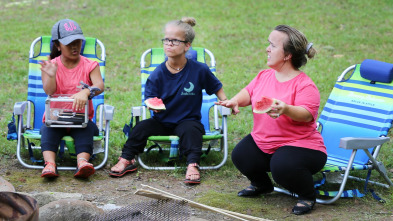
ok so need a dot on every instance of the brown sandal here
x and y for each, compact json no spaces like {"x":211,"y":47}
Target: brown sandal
{"x":122,"y":167}
{"x":50,"y":170}
{"x":85,"y":169}
{"x":190,"y":174}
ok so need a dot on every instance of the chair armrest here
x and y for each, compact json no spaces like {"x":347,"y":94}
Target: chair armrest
{"x":108,"y":112}
{"x":351,"y":143}
{"x":137,"y":111}
{"x":19,"y":107}
{"x":224,"y":110}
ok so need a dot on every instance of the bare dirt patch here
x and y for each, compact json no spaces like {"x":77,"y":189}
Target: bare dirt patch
{"x":100,"y":189}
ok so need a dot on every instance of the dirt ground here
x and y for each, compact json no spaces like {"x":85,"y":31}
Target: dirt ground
{"x":100,"y":189}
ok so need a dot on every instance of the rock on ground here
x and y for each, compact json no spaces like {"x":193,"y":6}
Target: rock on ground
{"x":44,"y":198}
{"x":6,"y":186}
{"x":69,"y":209}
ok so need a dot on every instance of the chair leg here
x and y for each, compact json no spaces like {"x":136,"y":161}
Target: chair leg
{"x":379,"y":167}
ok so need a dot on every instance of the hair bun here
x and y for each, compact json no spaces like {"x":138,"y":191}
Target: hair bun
{"x":189,"y":20}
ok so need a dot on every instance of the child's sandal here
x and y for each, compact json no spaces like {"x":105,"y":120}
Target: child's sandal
{"x":50,"y":170}
{"x":85,"y":169}
{"x":190,"y":174}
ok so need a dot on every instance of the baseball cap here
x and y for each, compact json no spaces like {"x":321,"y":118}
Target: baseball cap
{"x":67,"y":31}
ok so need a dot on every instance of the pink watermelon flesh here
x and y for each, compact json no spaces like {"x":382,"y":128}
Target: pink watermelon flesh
{"x":264,"y":105}
{"x":155,"y":103}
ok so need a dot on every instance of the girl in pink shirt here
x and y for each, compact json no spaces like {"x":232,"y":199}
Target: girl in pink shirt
{"x":283,"y":141}
{"x":62,"y":74}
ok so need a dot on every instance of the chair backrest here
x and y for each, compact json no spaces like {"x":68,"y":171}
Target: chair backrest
{"x":360,"y":106}
{"x":196,"y":53}
{"x":36,"y":93}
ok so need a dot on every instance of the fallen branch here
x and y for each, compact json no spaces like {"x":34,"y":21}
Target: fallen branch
{"x":162,"y":195}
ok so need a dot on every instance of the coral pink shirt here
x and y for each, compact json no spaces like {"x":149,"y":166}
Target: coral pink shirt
{"x":269,"y":134}
{"x":68,"y":80}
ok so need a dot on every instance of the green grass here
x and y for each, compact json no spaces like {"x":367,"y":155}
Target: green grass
{"x":343,"y":32}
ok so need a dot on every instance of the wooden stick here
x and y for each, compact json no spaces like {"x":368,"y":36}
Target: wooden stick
{"x":226,"y":211}
{"x":166,"y":195}
{"x":160,"y":196}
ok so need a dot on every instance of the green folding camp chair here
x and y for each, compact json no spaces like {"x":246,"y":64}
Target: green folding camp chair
{"x":215,"y":134}
{"x":357,"y":116}
{"x":28,"y":132}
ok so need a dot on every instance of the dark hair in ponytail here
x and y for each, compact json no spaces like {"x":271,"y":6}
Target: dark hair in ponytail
{"x":54,"y":52}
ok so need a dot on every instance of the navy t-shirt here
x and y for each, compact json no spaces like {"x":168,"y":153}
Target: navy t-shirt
{"x":181,"y":92}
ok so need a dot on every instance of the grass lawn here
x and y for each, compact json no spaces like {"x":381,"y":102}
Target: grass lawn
{"x":343,"y":32}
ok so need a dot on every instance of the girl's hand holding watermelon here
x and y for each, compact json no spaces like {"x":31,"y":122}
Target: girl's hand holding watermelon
{"x":154,"y":110}
{"x":155,"y":104}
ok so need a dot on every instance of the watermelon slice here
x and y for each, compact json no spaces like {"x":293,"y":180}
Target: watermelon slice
{"x":155,"y":103}
{"x":264,"y":105}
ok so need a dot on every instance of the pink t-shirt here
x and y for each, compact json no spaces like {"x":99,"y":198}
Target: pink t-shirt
{"x":68,"y":80}
{"x":270,"y":134}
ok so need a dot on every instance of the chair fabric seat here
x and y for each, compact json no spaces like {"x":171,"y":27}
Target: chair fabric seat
{"x":336,"y":164}
{"x":211,"y":136}
{"x":35,"y":135}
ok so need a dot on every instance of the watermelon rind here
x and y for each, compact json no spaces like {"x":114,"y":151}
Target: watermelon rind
{"x":152,"y":104}
{"x":264,"y":110}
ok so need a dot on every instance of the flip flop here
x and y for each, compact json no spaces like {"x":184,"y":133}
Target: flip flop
{"x":130,"y":167}
{"x":50,"y":170}
{"x":190,"y":181}
{"x":85,"y":170}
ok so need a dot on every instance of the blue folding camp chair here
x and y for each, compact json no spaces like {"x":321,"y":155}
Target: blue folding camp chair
{"x":28,"y":131}
{"x":357,"y":116}
{"x":217,"y":133}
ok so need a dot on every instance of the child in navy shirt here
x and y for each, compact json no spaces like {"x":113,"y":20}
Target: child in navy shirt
{"x":179,"y":83}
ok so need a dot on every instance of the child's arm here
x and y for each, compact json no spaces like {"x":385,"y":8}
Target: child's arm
{"x":97,"y":80}
{"x":48,"y":76}
{"x":81,"y":97}
{"x":221,"y":95}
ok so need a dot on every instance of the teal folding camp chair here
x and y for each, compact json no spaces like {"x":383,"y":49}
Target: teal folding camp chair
{"x":216,"y":133}
{"x":28,"y":132}
{"x":357,"y":116}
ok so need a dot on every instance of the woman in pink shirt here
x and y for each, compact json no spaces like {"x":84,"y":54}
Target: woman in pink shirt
{"x":283,"y":141}
{"x":62,"y":75}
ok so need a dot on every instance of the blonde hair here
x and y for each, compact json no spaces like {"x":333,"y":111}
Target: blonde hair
{"x":297,"y":45}
{"x":186,"y":24}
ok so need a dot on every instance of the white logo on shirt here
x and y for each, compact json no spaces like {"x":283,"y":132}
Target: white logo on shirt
{"x":188,"y":90}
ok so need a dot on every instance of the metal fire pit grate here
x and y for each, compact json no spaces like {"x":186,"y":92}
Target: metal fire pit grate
{"x":157,"y":210}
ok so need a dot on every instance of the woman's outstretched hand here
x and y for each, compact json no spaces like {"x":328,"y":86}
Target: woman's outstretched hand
{"x":229,"y":104}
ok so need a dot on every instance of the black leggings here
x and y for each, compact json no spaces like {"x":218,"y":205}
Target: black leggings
{"x":189,"y":132}
{"x":291,"y":167}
